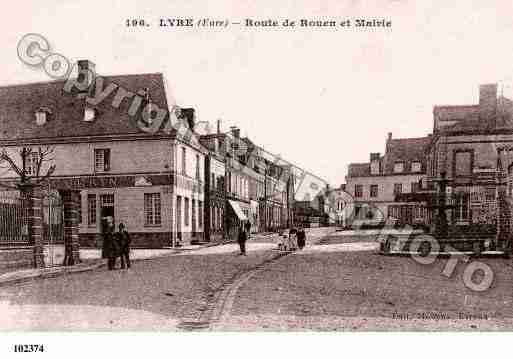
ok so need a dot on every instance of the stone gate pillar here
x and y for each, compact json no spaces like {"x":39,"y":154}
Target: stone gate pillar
{"x":71,"y":203}
{"x":32,"y":202}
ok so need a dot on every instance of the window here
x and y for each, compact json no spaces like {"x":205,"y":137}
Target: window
{"x":184,"y":169}
{"x":357,"y":212}
{"x":463,"y":162}
{"x":462,"y":207}
{"x":200,"y":214}
{"x":102,"y":160}
{"x":489,"y":193}
{"x":416,"y":166}
{"x":398,"y":188}
{"x":399,"y":167}
{"x":213,"y":181}
{"x":373,"y":190}
{"x":415,"y":186}
{"x":186,"y":212}
{"x":91,"y":209}
{"x":31,"y":163}
{"x":152,"y":209}
{"x":374,"y":167}
{"x":197,"y":167}
{"x":358,"y":190}
{"x":107,"y":200}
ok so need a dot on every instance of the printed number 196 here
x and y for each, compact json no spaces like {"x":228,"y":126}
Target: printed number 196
{"x":28,"y":348}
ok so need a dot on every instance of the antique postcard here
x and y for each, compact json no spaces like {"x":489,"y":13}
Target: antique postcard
{"x":254,"y":166}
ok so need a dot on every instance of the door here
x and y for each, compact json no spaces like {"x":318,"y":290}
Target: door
{"x":107,"y":209}
{"x":179,"y":218}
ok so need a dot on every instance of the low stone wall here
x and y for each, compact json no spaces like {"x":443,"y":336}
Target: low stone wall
{"x":16,"y":258}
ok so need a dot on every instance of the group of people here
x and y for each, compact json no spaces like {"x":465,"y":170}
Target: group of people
{"x":295,"y":239}
{"x":116,"y":244}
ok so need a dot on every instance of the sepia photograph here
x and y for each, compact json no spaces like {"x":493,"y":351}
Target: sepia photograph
{"x":255,"y":167}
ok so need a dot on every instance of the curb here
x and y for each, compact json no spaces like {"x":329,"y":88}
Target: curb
{"x":60,"y":271}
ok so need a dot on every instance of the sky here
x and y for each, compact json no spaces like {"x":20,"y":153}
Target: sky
{"x":321,"y":98}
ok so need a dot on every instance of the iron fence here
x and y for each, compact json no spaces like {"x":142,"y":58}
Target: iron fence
{"x":13,"y":220}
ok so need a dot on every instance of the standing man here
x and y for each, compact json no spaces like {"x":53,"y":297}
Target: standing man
{"x":248,"y":227}
{"x":242,"y":238}
{"x":124,"y":239}
{"x":110,"y":248}
{"x":301,"y":237}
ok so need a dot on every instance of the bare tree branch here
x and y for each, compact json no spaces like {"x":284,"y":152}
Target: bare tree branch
{"x":36,"y":158}
{"x":4,"y":156}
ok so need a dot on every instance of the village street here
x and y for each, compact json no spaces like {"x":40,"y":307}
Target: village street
{"x":338,"y":282}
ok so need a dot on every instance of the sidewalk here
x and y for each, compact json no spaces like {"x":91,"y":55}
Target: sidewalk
{"x":92,"y":260}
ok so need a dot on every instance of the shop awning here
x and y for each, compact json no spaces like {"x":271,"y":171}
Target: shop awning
{"x":238,"y":210}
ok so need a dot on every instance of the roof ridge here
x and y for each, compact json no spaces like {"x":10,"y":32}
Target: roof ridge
{"x":64,"y":80}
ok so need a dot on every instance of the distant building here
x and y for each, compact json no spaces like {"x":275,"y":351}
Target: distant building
{"x":379,"y":186}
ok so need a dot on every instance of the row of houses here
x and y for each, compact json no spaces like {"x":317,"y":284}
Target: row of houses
{"x":468,"y":156}
{"x":168,"y":189}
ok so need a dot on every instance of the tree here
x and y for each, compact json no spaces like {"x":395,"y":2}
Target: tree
{"x":29,"y":172}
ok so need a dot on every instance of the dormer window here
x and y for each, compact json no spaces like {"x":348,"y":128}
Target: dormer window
{"x":399,"y":167}
{"x":42,"y":114}
{"x":89,"y":114}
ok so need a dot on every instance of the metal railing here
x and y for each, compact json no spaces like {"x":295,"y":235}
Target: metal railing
{"x":13,"y":220}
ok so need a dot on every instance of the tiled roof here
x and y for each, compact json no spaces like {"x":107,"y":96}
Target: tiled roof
{"x":457,"y":112}
{"x":18,"y":104}
{"x":466,"y":119}
{"x":406,"y":150}
{"x":358,"y":170}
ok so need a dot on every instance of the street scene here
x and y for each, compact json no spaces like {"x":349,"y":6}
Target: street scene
{"x":327,"y":171}
{"x":338,"y":282}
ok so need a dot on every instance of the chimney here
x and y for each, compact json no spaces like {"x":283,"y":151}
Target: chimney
{"x":374,"y":163}
{"x":218,"y":126}
{"x":190,"y":116}
{"x":389,"y":136}
{"x":86,"y":74}
{"x":487,"y":101}
{"x":235,"y":131}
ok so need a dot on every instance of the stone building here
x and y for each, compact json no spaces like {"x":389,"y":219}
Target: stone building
{"x":152,"y":182}
{"x":379,"y":186}
{"x":254,"y":190}
{"x":472,"y":146}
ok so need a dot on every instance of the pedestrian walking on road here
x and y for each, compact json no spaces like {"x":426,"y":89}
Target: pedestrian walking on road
{"x":124,"y":242}
{"x":242,"y":238}
{"x":292,"y":239}
{"x":247,"y":227}
{"x":301,"y":238}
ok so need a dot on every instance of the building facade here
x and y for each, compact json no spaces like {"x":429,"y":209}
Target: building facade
{"x":378,"y":186}
{"x":152,"y":182}
{"x":471,"y":148}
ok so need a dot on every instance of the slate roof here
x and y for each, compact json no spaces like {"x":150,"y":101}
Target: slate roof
{"x":358,"y":169}
{"x":18,"y":104}
{"x":406,"y":150}
{"x":464,"y":119}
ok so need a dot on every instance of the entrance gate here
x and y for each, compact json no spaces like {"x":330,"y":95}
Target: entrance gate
{"x":53,"y":229}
